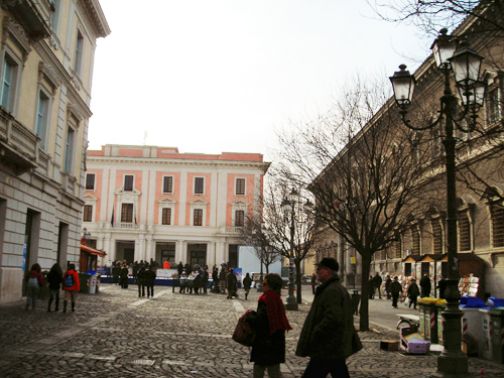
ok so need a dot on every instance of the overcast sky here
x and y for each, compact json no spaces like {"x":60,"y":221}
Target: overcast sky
{"x":225,"y":75}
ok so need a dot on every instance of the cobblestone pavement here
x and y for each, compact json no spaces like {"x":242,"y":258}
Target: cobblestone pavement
{"x":116,"y":334}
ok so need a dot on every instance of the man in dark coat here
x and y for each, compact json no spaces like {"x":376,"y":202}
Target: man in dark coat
{"x":395,"y":290}
{"x":377,"y":281}
{"x":328,"y":330}
{"x":150,"y":277}
{"x":232,"y":284}
{"x":413,"y":293}
{"x":425,"y":286}
{"x":388,"y":282}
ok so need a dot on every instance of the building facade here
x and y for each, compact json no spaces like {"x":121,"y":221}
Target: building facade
{"x":149,"y":202}
{"x":46,"y":67}
{"x":421,"y":248}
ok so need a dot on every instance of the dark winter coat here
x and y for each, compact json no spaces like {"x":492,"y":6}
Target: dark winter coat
{"x":328,"y":329}
{"x":55,"y":279}
{"x":149,"y":277}
{"x":267,"y":349}
{"x":247,"y":282}
{"x":413,"y":291}
{"x":388,"y":282}
{"x":425,"y":285}
{"x":395,"y":288}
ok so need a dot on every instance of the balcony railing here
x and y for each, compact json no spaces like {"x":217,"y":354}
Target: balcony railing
{"x":126,"y":225}
{"x":233,"y":229}
{"x":18,"y":145}
{"x":33,"y":15}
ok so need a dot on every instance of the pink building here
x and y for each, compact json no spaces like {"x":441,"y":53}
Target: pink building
{"x":149,"y":202}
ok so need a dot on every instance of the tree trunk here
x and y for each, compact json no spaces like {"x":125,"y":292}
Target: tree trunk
{"x":298,"y":281}
{"x":364,"y":306}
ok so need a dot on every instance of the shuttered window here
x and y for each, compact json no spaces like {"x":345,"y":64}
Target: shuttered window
{"x":497,"y":214}
{"x":127,"y":213}
{"x":166,"y":216}
{"x":437,"y":236}
{"x":88,"y":213}
{"x":198,"y":217}
{"x":464,"y":229}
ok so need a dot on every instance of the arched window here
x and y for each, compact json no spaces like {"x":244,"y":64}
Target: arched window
{"x":437,"y":235}
{"x":497,"y":222}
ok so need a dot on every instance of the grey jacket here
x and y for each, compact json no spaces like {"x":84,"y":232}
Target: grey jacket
{"x":328,"y":329}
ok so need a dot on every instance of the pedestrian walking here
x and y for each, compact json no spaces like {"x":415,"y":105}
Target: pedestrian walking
{"x":123,"y":276}
{"x":247,"y":283}
{"x":425,"y":286}
{"x":150,"y":278}
{"x":232,"y":284}
{"x":140,"y":278}
{"x":388,"y":282}
{"x":270,"y":323}
{"x":71,"y":286}
{"x":395,"y":290}
{"x":377,"y":281}
{"x":313,"y":282}
{"x":34,"y":280}
{"x":328,"y":336}
{"x":54,"y":278}
{"x":371,"y":287}
{"x":413,"y":293}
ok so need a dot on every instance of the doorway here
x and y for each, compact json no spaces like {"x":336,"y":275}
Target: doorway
{"x":197,"y":254}
{"x":125,"y":250}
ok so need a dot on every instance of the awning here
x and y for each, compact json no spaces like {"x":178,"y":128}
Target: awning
{"x":431,"y":257}
{"x":411,"y":259}
{"x":92,"y":251}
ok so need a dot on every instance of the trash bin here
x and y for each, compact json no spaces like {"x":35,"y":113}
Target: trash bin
{"x":484,"y":347}
{"x":496,"y":331}
{"x":84,"y":282}
{"x":440,"y":307}
{"x":355,"y":302}
{"x":472,"y":332}
{"x":428,"y":319}
{"x":92,"y":284}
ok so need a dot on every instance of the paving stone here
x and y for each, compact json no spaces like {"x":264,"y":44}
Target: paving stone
{"x":116,"y":334}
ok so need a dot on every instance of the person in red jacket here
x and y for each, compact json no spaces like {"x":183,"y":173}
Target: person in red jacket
{"x":71,"y":286}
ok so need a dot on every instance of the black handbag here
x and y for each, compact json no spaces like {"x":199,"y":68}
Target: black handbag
{"x":244,"y":333}
{"x":356,"y":343}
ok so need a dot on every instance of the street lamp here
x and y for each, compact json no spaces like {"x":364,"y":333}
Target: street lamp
{"x":288,"y":206}
{"x":465,"y":64}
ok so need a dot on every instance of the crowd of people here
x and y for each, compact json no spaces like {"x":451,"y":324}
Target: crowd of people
{"x":405,"y":290}
{"x":56,"y":280}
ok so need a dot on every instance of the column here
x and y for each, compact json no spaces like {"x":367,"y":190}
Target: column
{"x":220,"y":252}
{"x":210,"y":258}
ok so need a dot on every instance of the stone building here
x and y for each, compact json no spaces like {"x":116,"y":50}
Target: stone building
{"x":46,"y":67}
{"x":421,"y":247}
{"x":149,"y":202}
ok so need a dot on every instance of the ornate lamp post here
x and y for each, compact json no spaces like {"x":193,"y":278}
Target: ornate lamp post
{"x":289,"y":206}
{"x":465,"y":64}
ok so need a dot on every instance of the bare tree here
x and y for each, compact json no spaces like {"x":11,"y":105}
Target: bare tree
{"x":254,"y":234}
{"x":363,"y":170}
{"x":432,"y":15}
{"x":283,"y":235}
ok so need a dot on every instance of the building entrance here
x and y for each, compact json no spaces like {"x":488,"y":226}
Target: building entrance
{"x":197,"y":254}
{"x":165,"y":252}
{"x":125,"y":250}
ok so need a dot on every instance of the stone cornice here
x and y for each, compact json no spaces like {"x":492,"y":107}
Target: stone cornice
{"x":96,"y":15}
{"x":107,"y":161}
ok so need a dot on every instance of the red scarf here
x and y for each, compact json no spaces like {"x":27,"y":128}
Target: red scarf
{"x":276,"y":311}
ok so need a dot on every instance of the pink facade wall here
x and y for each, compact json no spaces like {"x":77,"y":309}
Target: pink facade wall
{"x":232,"y":197}
{"x":96,"y":193}
{"x":137,"y":186}
{"x":191,"y":197}
{"x":160,"y":196}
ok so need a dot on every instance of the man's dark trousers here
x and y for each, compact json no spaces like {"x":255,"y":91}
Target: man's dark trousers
{"x":319,"y":368}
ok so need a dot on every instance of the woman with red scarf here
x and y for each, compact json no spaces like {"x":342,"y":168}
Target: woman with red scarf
{"x":270,"y":323}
